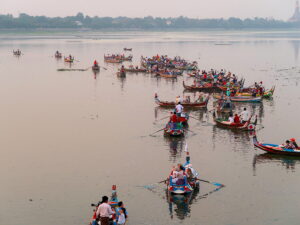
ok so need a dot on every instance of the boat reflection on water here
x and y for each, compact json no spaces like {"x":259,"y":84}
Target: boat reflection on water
{"x":176,"y":146}
{"x":96,"y":72}
{"x":180,"y":205}
{"x":288,"y":162}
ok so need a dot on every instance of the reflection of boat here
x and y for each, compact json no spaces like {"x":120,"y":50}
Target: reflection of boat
{"x":114,"y":205}
{"x":248,"y":126}
{"x":289,"y":162}
{"x":275,"y":149}
{"x":183,"y":103}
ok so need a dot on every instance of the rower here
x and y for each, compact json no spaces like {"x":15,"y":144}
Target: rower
{"x":179,"y":109}
{"x":294,"y":142}
{"x":104,"y":211}
{"x":173,"y":118}
{"x":244,"y":116}
{"x":178,"y":99}
{"x":122,"y":69}
{"x":95,"y":63}
{"x":289,"y":145}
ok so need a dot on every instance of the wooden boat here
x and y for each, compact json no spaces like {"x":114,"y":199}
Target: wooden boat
{"x":69,"y":60}
{"x":128,"y":58}
{"x":127,"y":49}
{"x":241,"y":98}
{"x":275,"y":149}
{"x":209,"y":87}
{"x":247,"y":92}
{"x":166,"y":75}
{"x":114,"y":205}
{"x":111,"y":60}
{"x":248,"y":126}
{"x":17,"y":53}
{"x":121,"y":74}
{"x":134,"y":70}
{"x":183,"y":103}
{"x":174,"y":129}
{"x":185,"y":185}
{"x":58,"y":55}
{"x":96,"y":68}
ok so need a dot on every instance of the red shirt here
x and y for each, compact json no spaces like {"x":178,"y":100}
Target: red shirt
{"x":174,"y":118}
{"x":236,"y":119}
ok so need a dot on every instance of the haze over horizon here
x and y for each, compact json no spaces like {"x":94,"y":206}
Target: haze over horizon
{"x":277,"y":9}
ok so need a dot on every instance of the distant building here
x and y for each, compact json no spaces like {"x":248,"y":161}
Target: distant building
{"x":296,"y":16}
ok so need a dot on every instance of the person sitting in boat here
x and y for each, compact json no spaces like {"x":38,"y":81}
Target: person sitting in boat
{"x":121,"y":217}
{"x":236,"y":119}
{"x":244,"y":115}
{"x":178,"y":175}
{"x":293,"y":140}
{"x":289,"y":145}
{"x":187,"y":99}
{"x":230,"y":119}
{"x":173,"y":118}
{"x":179,"y":109}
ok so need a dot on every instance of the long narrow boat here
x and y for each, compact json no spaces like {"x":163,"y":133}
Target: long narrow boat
{"x":174,"y":129}
{"x":166,"y":75}
{"x":247,"y":92}
{"x":241,"y":98}
{"x":69,"y":60}
{"x":248,"y":126}
{"x":134,"y":70}
{"x":127,"y":49}
{"x":121,"y":74}
{"x":58,"y":55}
{"x":275,"y":149}
{"x":114,"y":205}
{"x":96,"y":68}
{"x":206,"y":87}
{"x":185,"y":185}
{"x":111,"y":60}
{"x":184,"y":104}
{"x":17,"y":53}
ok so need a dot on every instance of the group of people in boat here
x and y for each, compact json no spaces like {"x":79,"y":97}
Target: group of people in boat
{"x":105,"y":213}
{"x":291,"y":144}
{"x":18,"y":52}
{"x":117,"y":57}
{"x":239,"y":119}
{"x":159,"y":63}
{"x":180,"y":172}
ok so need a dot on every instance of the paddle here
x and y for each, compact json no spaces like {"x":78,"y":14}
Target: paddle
{"x":163,"y":118}
{"x":189,"y":130}
{"x":156,"y":131}
{"x":214,"y":183}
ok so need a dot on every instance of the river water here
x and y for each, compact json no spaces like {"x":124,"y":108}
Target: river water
{"x":67,"y":137}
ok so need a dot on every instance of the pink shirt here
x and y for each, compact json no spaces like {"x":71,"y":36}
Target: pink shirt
{"x":104,"y":210}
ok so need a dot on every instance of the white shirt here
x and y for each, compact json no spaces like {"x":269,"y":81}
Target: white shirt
{"x":230,"y":119}
{"x":121,"y":219}
{"x":179,"y":108}
{"x":245,"y":115}
{"x":104,"y":210}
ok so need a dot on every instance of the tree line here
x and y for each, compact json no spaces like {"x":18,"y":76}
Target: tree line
{"x":149,"y":22}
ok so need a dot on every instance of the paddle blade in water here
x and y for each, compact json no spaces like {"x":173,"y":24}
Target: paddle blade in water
{"x":218,"y":184}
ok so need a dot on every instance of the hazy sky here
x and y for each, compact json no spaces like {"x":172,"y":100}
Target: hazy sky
{"x":278,"y":9}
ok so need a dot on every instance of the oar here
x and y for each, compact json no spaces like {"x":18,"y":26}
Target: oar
{"x":163,"y":118}
{"x":103,"y":67}
{"x":163,"y":181}
{"x":156,"y":131}
{"x":214,"y":183}
{"x":189,"y":130}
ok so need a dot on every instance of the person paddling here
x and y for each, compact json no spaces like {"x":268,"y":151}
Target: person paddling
{"x":179,"y":109}
{"x":244,"y":116}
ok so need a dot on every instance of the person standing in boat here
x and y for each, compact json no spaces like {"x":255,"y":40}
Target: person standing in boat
{"x":236,"y":119}
{"x":244,"y":116}
{"x":104,"y":211}
{"x":230,"y":119}
{"x":173,"y":118}
{"x":95,"y":63}
{"x":179,"y":109}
